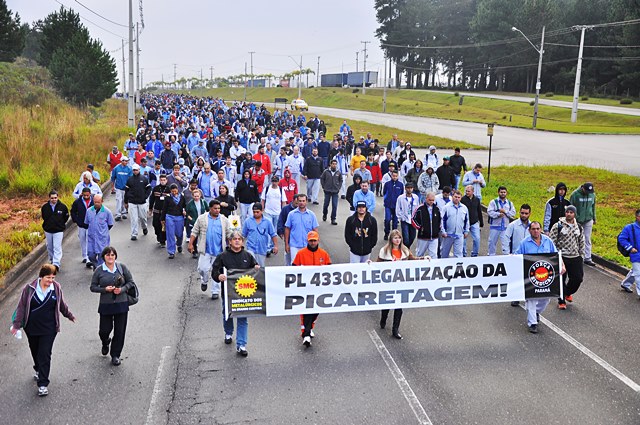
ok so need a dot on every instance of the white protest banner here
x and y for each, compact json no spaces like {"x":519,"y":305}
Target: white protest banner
{"x":398,"y":284}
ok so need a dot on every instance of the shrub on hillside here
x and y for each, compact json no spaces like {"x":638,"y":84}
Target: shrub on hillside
{"x":626,"y":101}
{"x":549,"y":94}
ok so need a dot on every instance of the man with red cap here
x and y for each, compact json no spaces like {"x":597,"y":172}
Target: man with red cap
{"x":311,"y":255}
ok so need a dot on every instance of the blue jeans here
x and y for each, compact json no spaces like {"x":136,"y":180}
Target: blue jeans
{"x":243,"y":327}
{"x":174,"y":226}
{"x":274,"y":220}
{"x":455,"y":241}
{"x":474,"y":232}
{"x":333,"y":197}
{"x":457,"y":181}
{"x":408,"y":233}
{"x":390,"y":216}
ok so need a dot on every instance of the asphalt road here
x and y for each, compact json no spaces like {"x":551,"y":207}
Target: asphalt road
{"x":550,"y":102}
{"x":516,"y":146}
{"x":461,"y":365}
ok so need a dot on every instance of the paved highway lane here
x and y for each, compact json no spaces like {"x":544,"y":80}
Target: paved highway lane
{"x":455,"y":365}
{"x":514,"y":146}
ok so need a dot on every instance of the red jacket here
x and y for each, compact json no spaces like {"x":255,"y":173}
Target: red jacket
{"x":376,"y":173}
{"x":264,"y":159}
{"x":258,"y":177}
{"x":290,"y":188}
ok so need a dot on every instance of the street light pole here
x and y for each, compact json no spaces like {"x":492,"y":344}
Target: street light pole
{"x":132,"y":105}
{"x":576,"y":88}
{"x":538,"y":84}
{"x":364,"y":68}
{"x":300,"y":80}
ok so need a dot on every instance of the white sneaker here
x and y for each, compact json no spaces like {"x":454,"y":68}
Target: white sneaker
{"x":36,"y":376}
{"x":312,"y":334}
{"x":43,"y":391}
{"x":306,"y":341}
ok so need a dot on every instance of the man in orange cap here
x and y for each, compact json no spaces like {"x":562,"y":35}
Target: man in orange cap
{"x":311,"y":255}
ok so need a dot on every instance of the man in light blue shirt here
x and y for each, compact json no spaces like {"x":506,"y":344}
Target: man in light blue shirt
{"x":455,"y":226}
{"x":364,"y":194}
{"x":536,"y":243}
{"x":257,"y":231}
{"x":299,"y":223}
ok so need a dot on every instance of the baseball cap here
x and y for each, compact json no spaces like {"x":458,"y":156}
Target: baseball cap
{"x":313,"y":236}
{"x":124,"y":158}
{"x":361,"y":204}
{"x":275,"y":179}
{"x":135,"y":167}
{"x":446,"y":158}
{"x":181,"y":161}
{"x":432,"y":148}
{"x":588,"y":187}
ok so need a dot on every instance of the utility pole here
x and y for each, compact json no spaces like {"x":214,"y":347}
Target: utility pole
{"x":132,"y":105}
{"x":211,"y":69}
{"x":357,"y":53}
{"x":174,"y":73}
{"x":300,"y":80}
{"x":201,"y":78}
{"x":576,"y":88}
{"x":138,"y":64}
{"x":141,"y":78}
{"x":384,"y":92}
{"x":318,"y":73}
{"x":364,"y":68}
{"x":251,"y":53}
{"x":538,"y":84}
{"x":245,"y":81}
{"x":124,"y":73}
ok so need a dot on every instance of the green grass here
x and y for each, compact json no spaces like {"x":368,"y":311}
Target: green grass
{"x":384,"y":133}
{"x":567,"y":98}
{"x":19,"y":243}
{"x":444,"y":106}
{"x":616,"y":202}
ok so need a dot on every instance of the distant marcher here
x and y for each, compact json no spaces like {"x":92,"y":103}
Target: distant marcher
{"x":259,"y":233}
{"x":78,"y":212}
{"x":233,"y":257}
{"x":311,"y":172}
{"x":391,"y":191}
{"x":446,"y":175}
{"x":555,"y":207}
{"x":299,"y":223}
{"x":246,"y":194}
{"x":54,"y":220}
{"x":173,"y":214}
{"x":427,"y":220}
{"x":406,"y":206}
{"x":568,"y":236}
{"x":351,"y":190}
{"x":428,"y":183}
{"x":475,"y":179}
{"x":159,"y":195}
{"x":86,"y":180}
{"x":476,"y":220}
{"x":119,"y":176}
{"x":38,"y":312}
{"x":584,"y":199}
{"x":195,"y":208}
{"x":282,"y":218}
{"x":113,"y":159}
{"x":365,"y":195}
{"x":331,"y":182}
{"x":458,"y":164}
{"x":311,"y":255}
{"x":112,"y":281}
{"x":99,"y":221}
{"x":455,"y":226}
{"x":629,"y":238}
{"x":227,"y":203}
{"x":500,"y":212}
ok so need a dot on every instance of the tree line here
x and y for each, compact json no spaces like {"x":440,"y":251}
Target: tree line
{"x":502,"y":59}
{"x":82,"y":71}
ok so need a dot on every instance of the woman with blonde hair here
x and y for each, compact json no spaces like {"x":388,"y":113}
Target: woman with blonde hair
{"x":395,"y":250}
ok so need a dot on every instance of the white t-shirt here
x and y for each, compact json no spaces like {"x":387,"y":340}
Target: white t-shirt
{"x":273,"y":199}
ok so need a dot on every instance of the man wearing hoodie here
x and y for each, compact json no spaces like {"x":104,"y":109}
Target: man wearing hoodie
{"x":351,"y":190}
{"x":288,"y":185}
{"x":427,"y":183}
{"x":431,"y":159}
{"x":361,"y":234}
{"x":555,"y":207}
{"x":568,"y":236}
{"x":629,"y":238}
{"x":584,"y":199}
{"x":391,"y":191}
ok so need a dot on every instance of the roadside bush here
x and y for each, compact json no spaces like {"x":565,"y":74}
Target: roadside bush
{"x":456,"y":94}
{"x":626,"y":101}
{"x":532,"y":103}
{"x":584,"y":98}
{"x":355,"y":90}
{"x":549,"y":94}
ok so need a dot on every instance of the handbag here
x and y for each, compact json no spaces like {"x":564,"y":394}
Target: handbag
{"x":234,"y":221}
{"x":133,"y":295}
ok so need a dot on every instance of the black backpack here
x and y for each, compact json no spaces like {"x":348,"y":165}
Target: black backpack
{"x":621,"y":248}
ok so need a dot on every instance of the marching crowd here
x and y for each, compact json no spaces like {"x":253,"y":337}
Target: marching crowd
{"x":235,"y":180}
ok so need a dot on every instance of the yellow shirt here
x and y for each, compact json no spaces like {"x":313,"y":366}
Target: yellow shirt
{"x":355,"y":162}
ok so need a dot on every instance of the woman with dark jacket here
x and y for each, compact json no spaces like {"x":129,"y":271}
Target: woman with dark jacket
{"x":357,"y":179}
{"x":227,"y":203}
{"x":38,"y":312}
{"x":112,"y":281}
{"x":173,"y":214}
{"x":195,"y":208}
{"x":395,"y":250}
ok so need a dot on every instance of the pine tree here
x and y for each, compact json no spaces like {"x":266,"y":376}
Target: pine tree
{"x":12,"y":34}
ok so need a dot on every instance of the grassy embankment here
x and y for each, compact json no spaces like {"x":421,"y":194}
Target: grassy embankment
{"x":616,"y":202}
{"x":567,"y":98}
{"x":47,"y":144}
{"x":444,"y":106}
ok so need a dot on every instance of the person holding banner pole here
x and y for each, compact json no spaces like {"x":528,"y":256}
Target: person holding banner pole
{"x":311,"y":255}
{"x":395,"y":250}
{"x":234,"y":257}
{"x":536,"y":243}
{"x":298,"y":224}
{"x":515,"y":233}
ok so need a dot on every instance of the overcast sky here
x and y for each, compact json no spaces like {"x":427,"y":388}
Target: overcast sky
{"x":199,"y":34}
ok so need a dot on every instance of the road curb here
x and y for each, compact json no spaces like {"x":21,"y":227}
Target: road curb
{"x":21,"y":272}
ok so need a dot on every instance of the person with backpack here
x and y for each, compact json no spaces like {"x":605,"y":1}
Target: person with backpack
{"x":568,"y":236}
{"x":331,"y":182}
{"x":500,"y":211}
{"x":273,"y":200}
{"x":629,"y":245}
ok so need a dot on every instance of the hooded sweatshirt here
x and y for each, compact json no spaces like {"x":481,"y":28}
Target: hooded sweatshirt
{"x":555,"y":207}
{"x":361,"y":236}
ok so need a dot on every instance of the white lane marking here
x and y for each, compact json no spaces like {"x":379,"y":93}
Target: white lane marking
{"x":408,"y":393}
{"x":593,"y":356}
{"x":156,"y":386}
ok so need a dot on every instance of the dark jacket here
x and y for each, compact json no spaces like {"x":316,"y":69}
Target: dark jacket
{"x":361,"y":236}
{"x":111,"y":303}
{"x":446,"y":176}
{"x":226,"y":211}
{"x":158,"y":198}
{"x":391,"y":191}
{"x":427,"y":228}
{"x":231,"y":260}
{"x":137,"y":190}
{"x":192,"y":211}
{"x":457,"y":163}
{"x":330,"y":181}
{"x":475,"y":209}
{"x":352,"y":189}
{"x":79,"y":211}
{"x":313,"y":167}
{"x":555,"y":207}
{"x":54,"y":220}
{"x":247,"y":193}
{"x":22,"y":311}
{"x":282,"y":218}
{"x":171,"y":208}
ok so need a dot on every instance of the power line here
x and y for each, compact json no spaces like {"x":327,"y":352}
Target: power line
{"x":97,"y":14}
{"x":91,"y":22}
{"x":594,"y":47}
{"x":615,"y":24}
